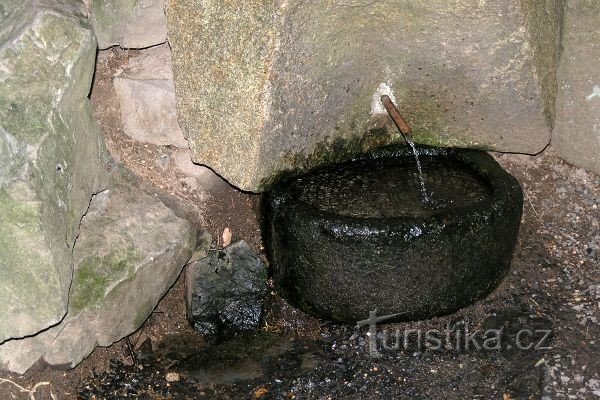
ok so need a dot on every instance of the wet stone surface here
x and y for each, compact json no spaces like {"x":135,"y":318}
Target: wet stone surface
{"x":392,"y":189}
{"x":226,"y":291}
{"x":339,"y":365}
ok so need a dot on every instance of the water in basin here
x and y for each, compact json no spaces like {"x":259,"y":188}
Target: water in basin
{"x":392,"y":188}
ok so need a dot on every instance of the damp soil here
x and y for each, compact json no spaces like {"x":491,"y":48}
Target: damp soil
{"x":552,"y":293}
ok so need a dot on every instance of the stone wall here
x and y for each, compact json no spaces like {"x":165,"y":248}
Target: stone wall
{"x":86,"y":249}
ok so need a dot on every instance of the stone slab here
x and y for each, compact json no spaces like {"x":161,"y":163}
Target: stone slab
{"x":146,"y":95}
{"x":131,"y":24}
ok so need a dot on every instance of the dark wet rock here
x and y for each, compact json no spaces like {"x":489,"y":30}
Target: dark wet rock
{"x":226,"y":291}
{"x":356,"y":237}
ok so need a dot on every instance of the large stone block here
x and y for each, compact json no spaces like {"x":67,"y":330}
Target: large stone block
{"x":130,"y":250}
{"x":52,"y":159}
{"x":576,"y":136}
{"x":268,"y":86}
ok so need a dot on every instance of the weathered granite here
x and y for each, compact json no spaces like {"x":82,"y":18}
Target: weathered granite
{"x":576,"y":136}
{"x":53,"y":158}
{"x":130,"y":250}
{"x":264,"y":87}
{"x":129,"y":23}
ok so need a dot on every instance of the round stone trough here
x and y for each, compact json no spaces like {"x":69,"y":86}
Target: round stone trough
{"x":358,"y":237}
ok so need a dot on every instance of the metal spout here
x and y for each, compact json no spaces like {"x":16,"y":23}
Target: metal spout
{"x":392,"y":110}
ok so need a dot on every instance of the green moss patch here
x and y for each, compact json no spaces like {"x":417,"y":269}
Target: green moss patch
{"x":96,"y":275}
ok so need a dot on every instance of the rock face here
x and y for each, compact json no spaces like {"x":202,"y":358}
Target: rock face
{"x":52,"y":157}
{"x":576,"y":136}
{"x":226,"y":291}
{"x":129,"y":23}
{"x":147,"y":99}
{"x":263,"y":87}
{"x":130,"y":250}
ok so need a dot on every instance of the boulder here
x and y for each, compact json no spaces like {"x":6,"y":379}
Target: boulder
{"x":131,"y":249}
{"x":265,"y":87}
{"x":576,"y":136}
{"x":131,"y":24}
{"x":52,"y":157}
{"x":147,"y":99}
{"x":226,"y":291}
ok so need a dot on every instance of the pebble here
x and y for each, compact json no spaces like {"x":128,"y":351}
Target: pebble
{"x":172,"y":377}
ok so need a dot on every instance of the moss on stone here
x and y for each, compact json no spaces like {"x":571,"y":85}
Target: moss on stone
{"x":35,"y":75}
{"x":30,"y":282}
{"x":96,"y":274}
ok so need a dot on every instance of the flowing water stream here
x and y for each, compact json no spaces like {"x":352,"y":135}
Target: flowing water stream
{"x":426,"y":197}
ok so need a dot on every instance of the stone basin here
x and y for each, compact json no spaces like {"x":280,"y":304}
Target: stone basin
{"x":357,"y":237}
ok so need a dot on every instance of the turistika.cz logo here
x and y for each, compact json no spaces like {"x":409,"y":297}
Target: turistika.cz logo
{"x":448,"y":339}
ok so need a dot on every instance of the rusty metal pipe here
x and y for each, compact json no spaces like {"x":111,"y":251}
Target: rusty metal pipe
{"x":391,"y":108}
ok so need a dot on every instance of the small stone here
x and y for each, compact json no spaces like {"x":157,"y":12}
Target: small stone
{"x":172,"y":377}
{"x":163,"y":162}
{"x":226,"y":237}
{"x":146,"y":95}
{"x":226,"y":291}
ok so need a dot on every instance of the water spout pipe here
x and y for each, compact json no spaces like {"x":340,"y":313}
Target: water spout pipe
{"x":391,"y":108}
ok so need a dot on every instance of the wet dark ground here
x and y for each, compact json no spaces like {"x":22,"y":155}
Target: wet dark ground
{"x":535,"y":337}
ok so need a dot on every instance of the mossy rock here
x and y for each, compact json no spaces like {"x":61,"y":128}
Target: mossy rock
{"x":52,"y":157}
